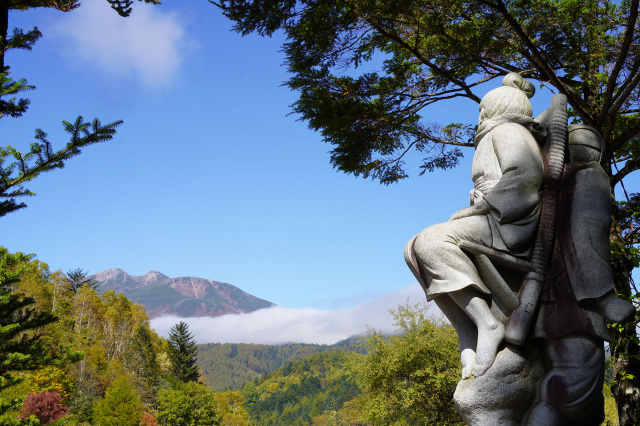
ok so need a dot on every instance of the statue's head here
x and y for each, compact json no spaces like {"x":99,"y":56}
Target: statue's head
{"x":585,"y":144}
{"x":510,"y":99}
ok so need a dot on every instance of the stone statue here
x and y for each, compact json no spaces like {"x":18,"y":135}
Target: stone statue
{"x":578,"y":293}
{"x":568,"y":291}
{"x":507,"y":173}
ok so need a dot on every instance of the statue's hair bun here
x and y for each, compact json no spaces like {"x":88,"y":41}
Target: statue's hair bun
{"x":514,"y":79}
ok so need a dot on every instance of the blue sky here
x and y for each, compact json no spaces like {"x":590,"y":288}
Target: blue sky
{"x":208,"y":176}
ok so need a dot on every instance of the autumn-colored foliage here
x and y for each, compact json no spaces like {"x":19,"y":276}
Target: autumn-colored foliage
{"x":45,"y":406}
{"x":148,"y":420}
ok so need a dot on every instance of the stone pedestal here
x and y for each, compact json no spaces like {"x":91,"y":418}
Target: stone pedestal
{"x":504,"y":394}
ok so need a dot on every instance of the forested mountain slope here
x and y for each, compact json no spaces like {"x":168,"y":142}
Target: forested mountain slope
{"x":229,"y":366}
{"x":302,"y":392}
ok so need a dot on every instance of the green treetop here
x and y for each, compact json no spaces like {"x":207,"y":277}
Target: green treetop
{"x":430,"y":51}
{"x":76,"y":278}
{"x":182,"y":353}
{"x":190,"y":404}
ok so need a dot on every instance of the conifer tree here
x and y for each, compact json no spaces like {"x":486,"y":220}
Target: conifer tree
{"x":140,"y":357}
{"x":182,"y":353}
{"x":78,"y":278}
{"x":22,"y":348}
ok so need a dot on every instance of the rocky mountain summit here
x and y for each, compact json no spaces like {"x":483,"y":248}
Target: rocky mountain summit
{"x":184,"y":296}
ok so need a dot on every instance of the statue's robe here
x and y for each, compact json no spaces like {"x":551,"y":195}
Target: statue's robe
{"x":507,"y":172}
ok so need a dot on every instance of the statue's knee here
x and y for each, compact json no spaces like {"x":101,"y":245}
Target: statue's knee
{"x":429,"y":243}
{"x":573,"y":395}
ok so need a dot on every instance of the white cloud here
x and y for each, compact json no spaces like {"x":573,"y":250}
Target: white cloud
{"x":149,"y":45}
{"x":283,"y":325}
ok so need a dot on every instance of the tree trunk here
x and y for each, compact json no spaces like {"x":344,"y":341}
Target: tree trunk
{"x":4,"y":28}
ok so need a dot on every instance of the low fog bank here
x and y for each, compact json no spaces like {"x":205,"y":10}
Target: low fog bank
{"x":278,"y":325}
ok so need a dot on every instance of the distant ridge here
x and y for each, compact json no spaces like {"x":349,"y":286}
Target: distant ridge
{"x":184,"y":296}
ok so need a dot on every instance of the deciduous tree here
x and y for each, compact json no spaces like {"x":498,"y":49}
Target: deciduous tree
{"x":369,"y":72}
{"x":410,"y":377}
{"x":190,"y":404}
{"x":45,"y":406}
{"x":140,"y":357}
{"x":121,"y":405}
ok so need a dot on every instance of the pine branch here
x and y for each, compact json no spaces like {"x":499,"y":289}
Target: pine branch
{"x":13,"y":107}
{"x":123,"y":7}
{"x":43,"y":158}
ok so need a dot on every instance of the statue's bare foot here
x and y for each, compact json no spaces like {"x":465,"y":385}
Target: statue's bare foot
{"x":467,"y":359}
{"x":488,"y":341}
{"x":615,"y":309}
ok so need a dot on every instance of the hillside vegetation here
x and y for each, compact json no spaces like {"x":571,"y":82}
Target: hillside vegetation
{"x":229,"y":366}
{"x":404,"y":379}
{"x":301,"y":391}
{"x":103,"y":364}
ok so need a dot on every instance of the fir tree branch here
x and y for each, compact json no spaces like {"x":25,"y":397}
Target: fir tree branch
{"x":42,"y":158}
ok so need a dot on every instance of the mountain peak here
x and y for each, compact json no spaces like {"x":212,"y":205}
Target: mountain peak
{"x":153,"y":277}
{"x":184,"y":296}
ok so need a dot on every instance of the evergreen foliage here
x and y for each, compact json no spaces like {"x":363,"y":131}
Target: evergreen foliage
{"x":43,"y":158}
{"x":78,"y":278}
{"x":182,"y":353}
{"x":425,"y":52}
{"x":124,"y":7}
{"x":22,"y":348}
{"x":17,"y":168}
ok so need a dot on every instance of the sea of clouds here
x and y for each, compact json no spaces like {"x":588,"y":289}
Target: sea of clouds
{"x":278,"y":325}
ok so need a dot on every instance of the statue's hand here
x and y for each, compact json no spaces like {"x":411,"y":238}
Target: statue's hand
{"x":467,"y":211}
{"x":480,"y":207}
{"x":475,"y":196}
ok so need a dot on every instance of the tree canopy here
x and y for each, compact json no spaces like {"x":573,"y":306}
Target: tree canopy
{"x":410,"y":377}
{"x":430,"y":51}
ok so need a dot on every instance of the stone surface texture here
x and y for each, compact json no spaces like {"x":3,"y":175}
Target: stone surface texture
{"x":503,"y":395}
